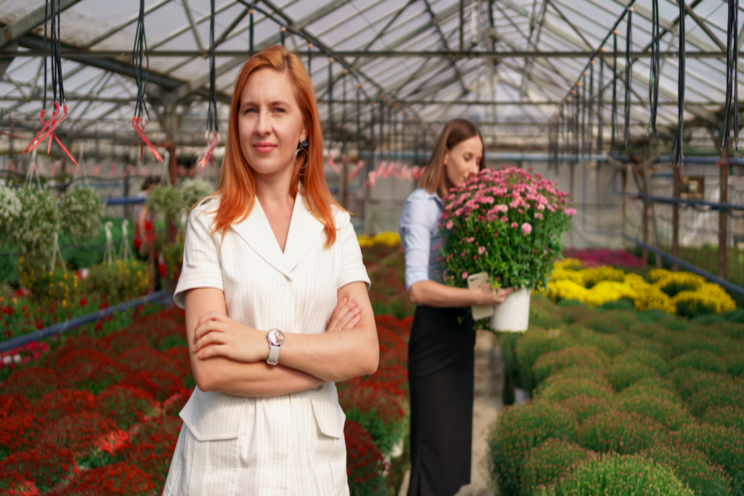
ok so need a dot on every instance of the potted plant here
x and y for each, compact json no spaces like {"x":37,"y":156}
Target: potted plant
{"x":81,"y":208}
{"x":505,"y":224}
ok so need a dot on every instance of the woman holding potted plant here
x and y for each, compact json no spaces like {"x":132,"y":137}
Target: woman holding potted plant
{"x":441,"y":348}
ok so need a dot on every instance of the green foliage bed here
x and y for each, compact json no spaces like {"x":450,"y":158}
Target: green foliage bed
{"x":622,"y":404}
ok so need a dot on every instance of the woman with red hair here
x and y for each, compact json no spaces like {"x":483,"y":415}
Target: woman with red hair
{"x":271,"y":263}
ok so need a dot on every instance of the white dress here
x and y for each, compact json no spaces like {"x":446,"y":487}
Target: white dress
{"x":288,"y":445}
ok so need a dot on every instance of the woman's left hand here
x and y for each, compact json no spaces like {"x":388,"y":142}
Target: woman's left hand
{"x":219,"y":335}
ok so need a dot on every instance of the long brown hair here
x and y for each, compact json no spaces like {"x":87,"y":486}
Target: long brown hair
{"x":455,"y":132}
{"x":237,"y":186}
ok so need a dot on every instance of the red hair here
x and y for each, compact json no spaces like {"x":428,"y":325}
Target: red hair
{"x":237,"y":186}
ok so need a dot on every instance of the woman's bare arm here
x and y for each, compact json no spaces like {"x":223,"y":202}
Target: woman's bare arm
{"x":434,"y":294}
{"x":340,"y":355}
{"x":142,"y":219}
{"x":218,"y":373}
{"x":332,"y":356}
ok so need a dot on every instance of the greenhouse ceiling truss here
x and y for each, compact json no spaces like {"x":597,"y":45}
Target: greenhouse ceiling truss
{"x":514,"y":66}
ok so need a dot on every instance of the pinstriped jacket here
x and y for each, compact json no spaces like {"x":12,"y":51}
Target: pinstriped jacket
{"x":284,"y":445}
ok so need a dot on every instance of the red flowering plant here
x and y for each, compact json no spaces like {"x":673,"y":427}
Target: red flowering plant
{"x":151,"y":446}
{"x":118,"y":479}
{"x":11,"y":404}
{"x":45,"y":466}
{"x":365,"y":464}
{"x":126,"y":405}
{"x":504,"y":222}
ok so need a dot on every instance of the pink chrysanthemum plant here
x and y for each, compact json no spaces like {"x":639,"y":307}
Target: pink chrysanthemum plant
{"x":506,"y":222}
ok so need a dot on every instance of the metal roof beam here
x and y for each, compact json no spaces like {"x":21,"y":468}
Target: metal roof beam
{"x":671,"y":26}
{"x":568,"y":21}
{"x":183,"y":29}
{"x":6,"y":60}
{"x":190,"y":17}
{"x":164,"y":81}
{"x":233,"y":24}
{"x":197,"y":83}
{"x":444,"y":38}
{"x":517,"y":53}
{"x":704,"y":26}
{"x":29,"y":22}
{"x":321,"y":88}
{"x":118,"y":28}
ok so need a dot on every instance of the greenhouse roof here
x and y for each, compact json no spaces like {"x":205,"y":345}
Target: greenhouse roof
{"x":507,"y":64}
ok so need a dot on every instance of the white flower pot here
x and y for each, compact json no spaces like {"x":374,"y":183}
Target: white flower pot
{"x":513,"y":315}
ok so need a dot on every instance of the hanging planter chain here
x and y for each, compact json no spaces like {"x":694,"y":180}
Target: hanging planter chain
{"x":653,"y":87}
{"x":677,"y":151}
{"x":628,"y":78}
{"x":141,"y":70}
{"x":590,"y":138}
{"x":600,"y":105}
{"x":52,"y":16}
{"x":613,"y":124}
{"x":732,"y":77}
{"x":212,"y":134}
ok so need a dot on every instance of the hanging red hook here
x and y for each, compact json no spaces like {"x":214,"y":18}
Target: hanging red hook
{"x":356,"y":170}
{"x":141,"y":131}
{"x":47,"y":129}
{"x":211,"y":145}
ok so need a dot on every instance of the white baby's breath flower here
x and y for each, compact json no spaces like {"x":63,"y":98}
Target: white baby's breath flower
{"x":35,"y":224}
{"x":194,"y":190}
{"x":81,"y":208}
{"x":166,"y":200}
{"x":10,"y":207}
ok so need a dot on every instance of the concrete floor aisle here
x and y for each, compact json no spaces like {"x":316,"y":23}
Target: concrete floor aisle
{"x":488,"y":383}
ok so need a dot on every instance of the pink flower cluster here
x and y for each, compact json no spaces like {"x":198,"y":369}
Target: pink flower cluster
{"x":506,"y":222}
{"x":491,"y":193}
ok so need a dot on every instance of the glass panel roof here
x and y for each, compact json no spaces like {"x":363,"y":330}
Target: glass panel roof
{"x":396,"y":48}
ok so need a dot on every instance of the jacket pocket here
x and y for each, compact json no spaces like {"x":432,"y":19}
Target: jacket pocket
{"x":213,"y":416}
{"x":328,"y":413}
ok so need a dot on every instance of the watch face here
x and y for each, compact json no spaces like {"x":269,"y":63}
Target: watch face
{"x":276,"y":337}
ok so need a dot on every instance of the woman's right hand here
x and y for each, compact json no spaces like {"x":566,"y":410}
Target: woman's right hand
{"x":346,"y":316}
{"x":486,"y":295}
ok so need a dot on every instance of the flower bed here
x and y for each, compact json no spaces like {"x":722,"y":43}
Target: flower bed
{"x":383,"y":257}
{"x":681,"y":293}
{"x":63,"y":295}
{"x":99,"y":410}
{"x":593,"y":257}
{"x":647,"y":411}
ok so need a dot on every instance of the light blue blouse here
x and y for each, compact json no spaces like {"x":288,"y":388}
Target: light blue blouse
{"x":420,"y":237}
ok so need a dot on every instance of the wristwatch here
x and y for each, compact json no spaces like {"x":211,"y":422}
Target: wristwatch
{"x":276,"y":340}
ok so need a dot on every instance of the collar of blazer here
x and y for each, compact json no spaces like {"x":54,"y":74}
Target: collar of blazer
{"x":304,"y":230}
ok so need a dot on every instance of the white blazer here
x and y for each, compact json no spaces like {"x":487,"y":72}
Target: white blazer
{"x":288,"y":445}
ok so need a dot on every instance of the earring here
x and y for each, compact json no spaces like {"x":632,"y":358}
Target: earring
{"x":303,"y":144}
{"x":301,"y":171}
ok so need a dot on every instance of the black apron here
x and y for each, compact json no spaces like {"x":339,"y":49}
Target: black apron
{"x":441,"y":359}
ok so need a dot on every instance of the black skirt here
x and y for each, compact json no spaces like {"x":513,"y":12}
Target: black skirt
{"x":441,"y":358}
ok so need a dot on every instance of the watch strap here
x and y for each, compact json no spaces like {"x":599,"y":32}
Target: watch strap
{"x":273,"y":354}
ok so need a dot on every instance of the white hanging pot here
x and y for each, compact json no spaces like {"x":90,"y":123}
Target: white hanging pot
{"x":513,"y":315}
